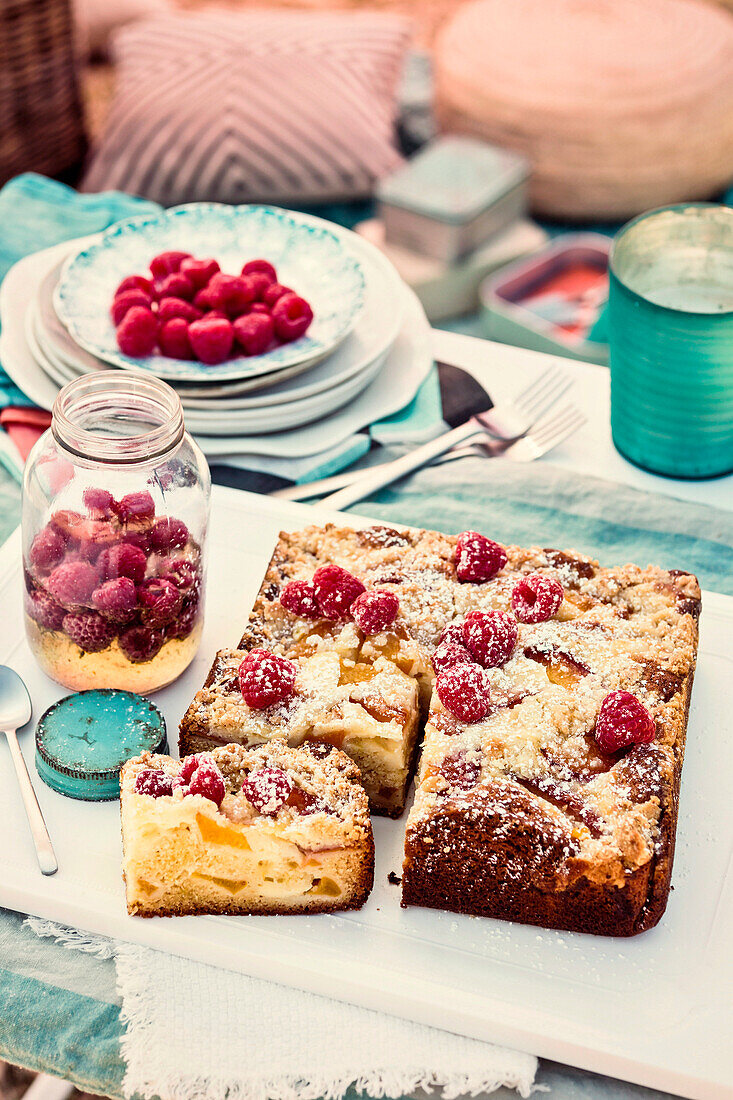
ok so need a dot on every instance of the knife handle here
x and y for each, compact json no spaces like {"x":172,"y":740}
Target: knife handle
{"x":380,"y":476}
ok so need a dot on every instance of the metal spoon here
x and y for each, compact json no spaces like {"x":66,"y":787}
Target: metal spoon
{"x":15,"y":711}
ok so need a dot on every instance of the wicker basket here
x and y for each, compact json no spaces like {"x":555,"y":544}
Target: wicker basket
{"x":41,"y":121}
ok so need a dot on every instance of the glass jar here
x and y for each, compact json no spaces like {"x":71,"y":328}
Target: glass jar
{"x":115,"y":512}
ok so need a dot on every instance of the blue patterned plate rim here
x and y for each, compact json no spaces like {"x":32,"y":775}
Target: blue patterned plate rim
{"x":336,"y":291}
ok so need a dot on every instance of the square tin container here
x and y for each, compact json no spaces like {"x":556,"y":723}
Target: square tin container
{"x":452,"y":197}
{"x":508,"y":296}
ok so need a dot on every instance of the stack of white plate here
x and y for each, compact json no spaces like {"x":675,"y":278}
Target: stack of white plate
{"x":363,"y":357}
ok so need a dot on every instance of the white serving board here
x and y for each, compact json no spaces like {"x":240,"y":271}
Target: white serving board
{"x":654,"y":1009}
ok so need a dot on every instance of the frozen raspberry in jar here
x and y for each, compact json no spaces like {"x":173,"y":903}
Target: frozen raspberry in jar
{"x":299,"y":598}
{"x":153,"y":782}
{"x":136,"y":507}
{"x":267,"y":789}
{"x":160,"y":601}
{"x":465,"y":691}
{"x":99,"y":503}
{"x":490,"y":636}
{"x":116,"y":600}
{"x":141,"y":643}
{"x":266,"y":679}
{"x":168,"y":533}
{"x":72,"y":583}
{"x":336,"y":589}
{"x":478,"y":559}
{"x":123,"y":560}
{"x":536,"y":598}
{"x":623,"y":721}
{"x":376,"y":610}
{"x":292,"y":316}
{"x":44,"y":610}
{"x":47,"y":549}
{"x":88,"y":630}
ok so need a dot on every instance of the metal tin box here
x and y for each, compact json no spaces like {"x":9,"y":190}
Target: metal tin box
{"x":453,"y":197}
{"x":552,"y":300}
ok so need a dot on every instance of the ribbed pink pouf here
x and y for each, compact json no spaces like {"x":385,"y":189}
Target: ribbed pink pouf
{"x":620,"y":105}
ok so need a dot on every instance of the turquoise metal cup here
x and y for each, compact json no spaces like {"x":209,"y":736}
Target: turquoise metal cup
{"x":671,"y":340}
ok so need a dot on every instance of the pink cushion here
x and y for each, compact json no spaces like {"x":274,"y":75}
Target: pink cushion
{"x":248,"y":106}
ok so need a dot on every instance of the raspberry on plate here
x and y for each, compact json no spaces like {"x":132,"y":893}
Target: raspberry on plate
{"x":207,"y":781}
{"x":199,"y":272}
{"x":478,"y":559}
{"x":73,"y":582}
{"x":292,"y":316}
{"x":266,"y":679}
{"x":160,"y":601}
{"x":336,"y":589}
{"x":268,"y":789}
{"x":274,"y":292}
{"x":211,"y":339}
{"x":167,"y":533}
{"x":168,"y":262}
{"x":259,"y":307}
{"x":490,"y":636}
{"x":465,"y":691}
{"x":173,"y":337}
{"x":375,"y":610}
{"x":47,"y":549}
{"x":154,"y":782}
{"x":299,"y":598}
{"x":260,"y":267}
{"x":140,"y":643}
{"x":116,"y":600}
{"x":623,"y":721}
{"x":536,"y":598}
{"x":171,"y":307}
{"x":137,"y":333}
{"x":254,"y":333}
{"x":136,"y":507}
{"x":259,"y":282}
{"x":136,"y":282}
{"x":44,"y":610}
{"x":88,"y":630}
{"x":123,"y":560}
{"x":230,"y":293}
{"x":124,"y":302}
{"x":176,"y":285}
{"x":449,"y":653}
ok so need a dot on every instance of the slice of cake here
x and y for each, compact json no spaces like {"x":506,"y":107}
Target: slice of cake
{"x":550,"y":772}
{"x":368,"y":709}
{"x":273,"y":829}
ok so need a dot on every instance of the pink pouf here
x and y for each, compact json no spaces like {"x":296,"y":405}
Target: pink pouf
{"x":620,"y":105}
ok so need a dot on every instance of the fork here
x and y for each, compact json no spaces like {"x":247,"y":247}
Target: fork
{"x":546,"y":434}
{"x":507,"y":421}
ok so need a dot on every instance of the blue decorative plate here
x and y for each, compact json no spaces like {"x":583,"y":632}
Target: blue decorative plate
{"x":83,"y":740}
{"x":308,"y":255}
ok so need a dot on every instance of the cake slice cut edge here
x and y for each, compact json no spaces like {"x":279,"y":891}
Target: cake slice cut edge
{"x":184,"y":855}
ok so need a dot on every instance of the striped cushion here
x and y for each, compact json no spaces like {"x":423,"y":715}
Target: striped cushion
{"x":235,"y":107}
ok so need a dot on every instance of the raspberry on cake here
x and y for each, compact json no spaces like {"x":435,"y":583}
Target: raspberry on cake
{"x":368,"y":709}
{"x":273,"y":829}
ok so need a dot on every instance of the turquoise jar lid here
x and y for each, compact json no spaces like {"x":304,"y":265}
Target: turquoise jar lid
{"x":83,"y":740}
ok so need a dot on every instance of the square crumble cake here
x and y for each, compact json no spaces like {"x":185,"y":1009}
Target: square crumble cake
{"x":554,"y":697}
{"x":273,"y":829}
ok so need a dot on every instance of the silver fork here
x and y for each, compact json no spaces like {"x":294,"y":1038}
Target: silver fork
{"x":546,"y":434}
{"x":507,"y":421}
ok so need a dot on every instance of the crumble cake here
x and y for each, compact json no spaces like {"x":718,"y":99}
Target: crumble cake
{"x":273,"y":829}
{"x":554,"y":697}
{"x":368,"y":709}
